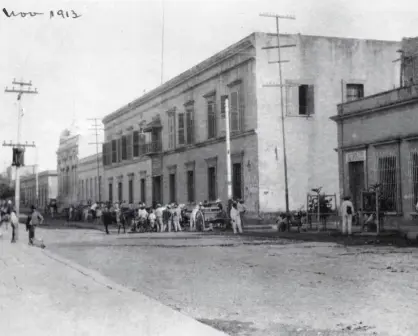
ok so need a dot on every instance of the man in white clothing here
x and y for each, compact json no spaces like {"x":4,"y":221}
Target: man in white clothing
{"x":235,"y":219}
{"x":347,"y":211}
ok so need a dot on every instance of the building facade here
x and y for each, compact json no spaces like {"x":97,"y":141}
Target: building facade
{"x":78,"y":179}
{"x":47,"y":188}
{"x":169,"y":145}
{"x":23,"y":171}
{"x":378,"y":144}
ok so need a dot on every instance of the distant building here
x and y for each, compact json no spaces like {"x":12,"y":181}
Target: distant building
{"x":23,"y":171}
{"x":47,"y":188}
{"x":78,"y":179}
{"x":169,"y":144}
{"x":378,"y":142}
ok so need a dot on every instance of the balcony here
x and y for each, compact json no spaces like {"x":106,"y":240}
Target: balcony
{"x":380,"y":100}
{"x":150,"y":148}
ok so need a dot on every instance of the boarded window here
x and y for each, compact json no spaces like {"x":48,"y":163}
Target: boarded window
{"x":111,"y":192}
{"x":131,"y":191}
{"x":143,"y":190}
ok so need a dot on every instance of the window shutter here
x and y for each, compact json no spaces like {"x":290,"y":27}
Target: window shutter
{"x":241,"y":114}
{"x":104,"y":154}
{"x":311,"y":100}
{"x":130,"y":146}
{"x":292,"y":100}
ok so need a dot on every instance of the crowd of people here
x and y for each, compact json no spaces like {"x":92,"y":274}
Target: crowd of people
{"x":160,"y":218}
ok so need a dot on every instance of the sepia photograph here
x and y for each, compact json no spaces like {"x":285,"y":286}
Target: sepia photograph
{"x":208,"y":168}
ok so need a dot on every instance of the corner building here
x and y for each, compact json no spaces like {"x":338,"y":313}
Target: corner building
{"x":169,"y":144}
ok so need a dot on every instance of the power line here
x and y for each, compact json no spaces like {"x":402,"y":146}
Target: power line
{"x":280,"y":61}
{"x":96,"y":128}
{"x":18,"y":147}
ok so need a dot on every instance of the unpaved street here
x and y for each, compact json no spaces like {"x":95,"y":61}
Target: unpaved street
{"x":247,"y":286}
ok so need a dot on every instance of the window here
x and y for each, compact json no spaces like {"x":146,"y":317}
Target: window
{"x":306,"y":99}
{"x":91,"y":188}
{"x":354,"y":91}
{"x":171,"y":131}
{"x":212,"y":183}
{"x":414,"y":178}
{"x":181,"y":129}
{"x":211,"y":117}
{"x":172,"y":185}
{"x":131,"y":191}
{"x":129,"y":145}
{"x":190,"y":125}
{"x":82,"y":190}
{"x":190,"y":186}
{"x":223,"y":106}
{"x":236,"y":180}
{"x":124,"y":148}
{"x":143,"y":198}
{"x":135,"y":144}
{"x":387,"y":169}
{"x":104,"y":154}
{"x":234,"y":121}
{"x":114,"y":151}
{"x":111,"y":192}
{"x":120,"y":192}
{"x":119,"y":142}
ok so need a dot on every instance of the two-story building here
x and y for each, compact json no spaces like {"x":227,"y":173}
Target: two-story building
{"x":79,"y":171}
{"x":378,"y":141}
{"x":47,"y":188}
{"x":169,"y":144}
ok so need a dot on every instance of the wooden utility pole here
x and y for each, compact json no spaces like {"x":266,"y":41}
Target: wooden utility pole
{"x":96,"y":128}
{"x":280,"y":61}
{"x":18,"y":146}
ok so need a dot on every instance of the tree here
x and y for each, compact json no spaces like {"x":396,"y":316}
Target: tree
{"x":5,"y":190}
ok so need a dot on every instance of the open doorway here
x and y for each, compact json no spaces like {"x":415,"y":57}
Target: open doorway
{"x":156,"y":190}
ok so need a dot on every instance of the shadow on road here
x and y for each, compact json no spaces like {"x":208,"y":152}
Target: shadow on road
{"x":231,"y":327}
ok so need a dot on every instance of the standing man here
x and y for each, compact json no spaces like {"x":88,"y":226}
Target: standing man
{"x":35,"y":219}
{"x":347,"y":211}
{"x":241,"y":209}
{"x":235,"y":218}
{"x":166,"y":219}
{"x":159,"y":218}
{"x":14,"y":221}
{"x":176,"y":217}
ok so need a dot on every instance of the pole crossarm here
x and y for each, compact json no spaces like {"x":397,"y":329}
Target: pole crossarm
{"x":284,"y":61}
{"x":18,"y":145}
{"x":13,"y":90}
{"x":273,"y":15}
{"x":281,"y":46}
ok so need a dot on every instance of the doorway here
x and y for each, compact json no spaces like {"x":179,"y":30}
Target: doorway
{"x":356,"y":182}
{"x":156,"y":190}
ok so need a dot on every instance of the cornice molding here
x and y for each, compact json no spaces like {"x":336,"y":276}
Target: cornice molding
{"x":210,"y":94}
{"x":212,"y":161}
{"x":234,"y":83}
{"x":189,"y":103}
{"x":184,"y":77}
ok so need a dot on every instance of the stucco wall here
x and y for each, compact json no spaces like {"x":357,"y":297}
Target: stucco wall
{"x":322,"y":62}
{"x":246,"y":145}
{"x":86,"y":170}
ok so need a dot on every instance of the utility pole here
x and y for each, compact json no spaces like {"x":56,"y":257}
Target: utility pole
{"x":162,"y":46}
{"x":96,"y":128}
{"x":18,"y":146}
{"x":228,"y":150}
{"x":280,"y":61}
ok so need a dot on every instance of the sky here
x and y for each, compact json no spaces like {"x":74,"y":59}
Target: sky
{"x":90,"y":66}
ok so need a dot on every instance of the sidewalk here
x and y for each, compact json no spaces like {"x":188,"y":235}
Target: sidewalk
{"x":43,"y":294}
